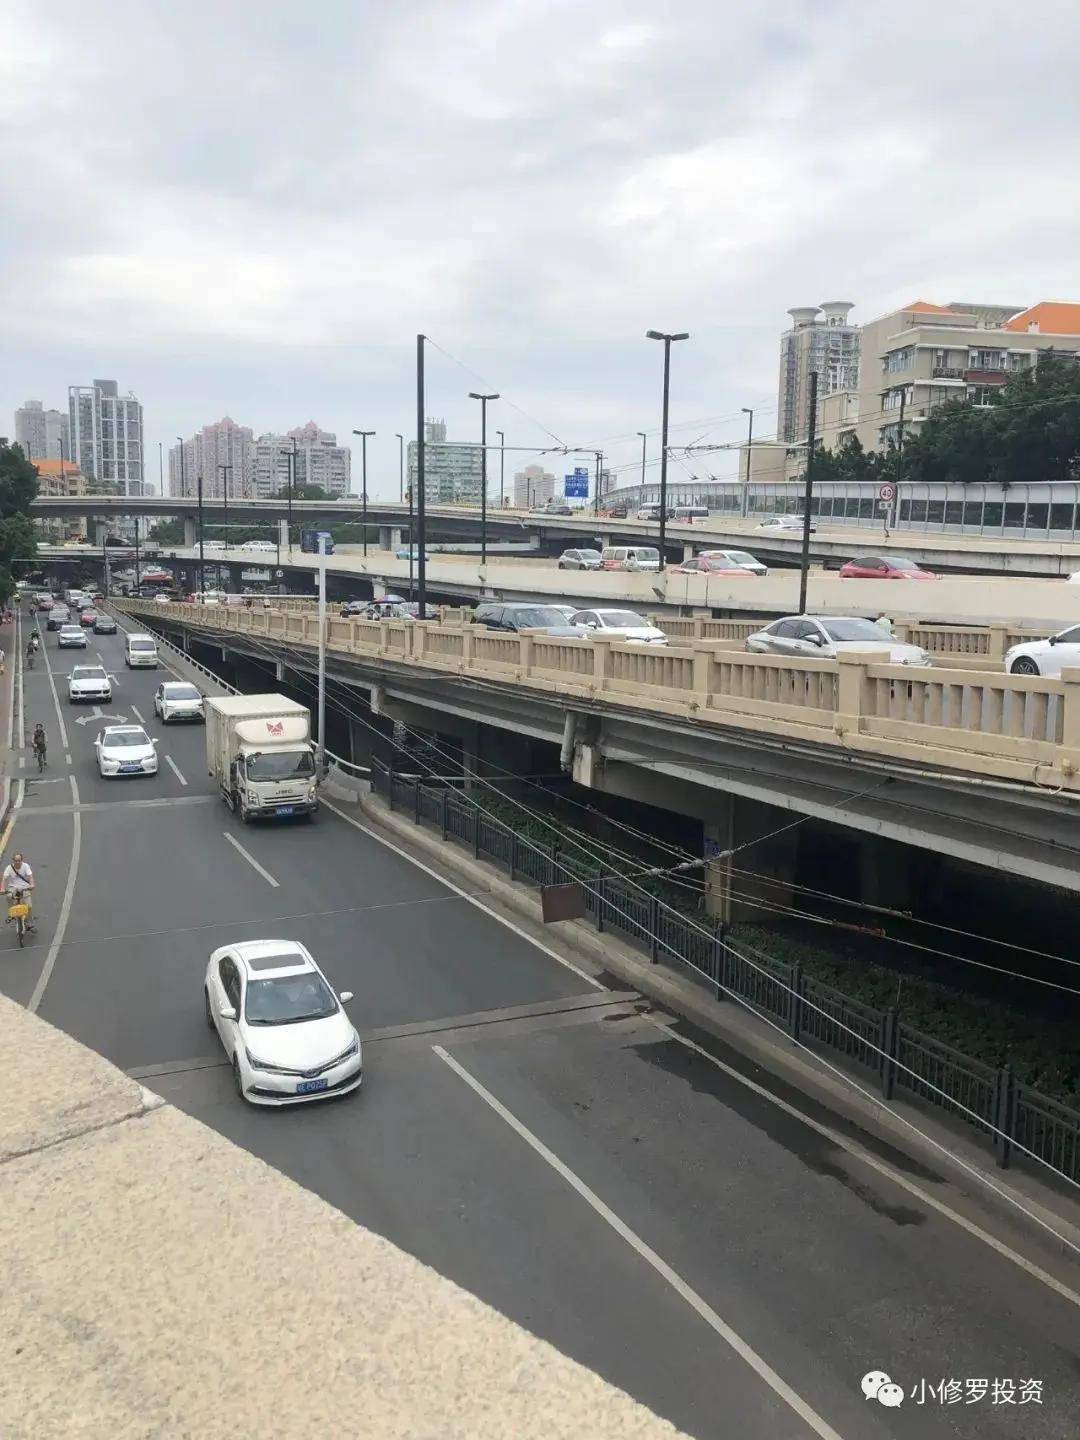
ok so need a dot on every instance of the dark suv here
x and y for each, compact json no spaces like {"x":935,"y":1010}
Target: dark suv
{"x":521,"y":615}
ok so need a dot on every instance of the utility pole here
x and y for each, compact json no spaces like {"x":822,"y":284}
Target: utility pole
{"x":644,"y":442}
{"x":160,"y":470}
{"x":599,"y":472}
{"x":401,"y":469}
{"x":667,"y":339}
{"x":475,"y":395}
{"x":421,"y":558}
{"x":749,"y":444}
{"x":137,"y":580}
{"x":225,"y":469}
{"x":320,"y":750}
{"x":804,"y":564}
{"x":105,"y":561}
{"x":289,"y":493}
{"x":363,"y":478}
{"x":202,"y":560}
{"x":899,"y":458}
{"x":502,"y":469}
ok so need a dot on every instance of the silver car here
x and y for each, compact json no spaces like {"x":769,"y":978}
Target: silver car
{"x":826,"y":636}
{"x":580,"y":560}
{"x":71,"y":637}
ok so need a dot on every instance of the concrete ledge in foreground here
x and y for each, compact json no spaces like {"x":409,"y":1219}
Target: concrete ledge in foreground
{"x":159,"y":1281}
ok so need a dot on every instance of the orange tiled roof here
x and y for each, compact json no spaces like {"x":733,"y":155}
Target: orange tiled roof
{"x":923,"y":307}
{"x":52,"y":467}
{"x":1050,"y":317}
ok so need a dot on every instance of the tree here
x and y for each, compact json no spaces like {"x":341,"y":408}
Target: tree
{"x":1030,"y":430}
{"x":18,"y":540}
{"x":305,"y":492}
{"x":168,"y":532}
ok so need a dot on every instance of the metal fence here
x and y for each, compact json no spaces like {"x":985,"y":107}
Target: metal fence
{"x":1010,"y":1113}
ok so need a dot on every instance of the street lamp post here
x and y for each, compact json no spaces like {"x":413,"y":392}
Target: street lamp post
{"x":289,"y":493}
{"x":401,"y":467}
{"x":502,"y":469}
{"x":421,"y":517}
{"x":749,"y":444}
{"x":475,"y":395}
{"x":363,"y":478}
{"x":644,"y":442}
{"x":667,"y":339}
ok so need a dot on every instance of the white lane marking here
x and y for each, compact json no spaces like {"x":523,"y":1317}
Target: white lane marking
{"x":138,"y":717}
{"x":250,"y":859}
{"x":65,"y":904}
{"x":56,"y":698}
{"x":539,"y":944}
{"x":175,"y":769}
{"x":22,"y":761}
{"x":747,"y":1353}
{"x":881,"y":1168}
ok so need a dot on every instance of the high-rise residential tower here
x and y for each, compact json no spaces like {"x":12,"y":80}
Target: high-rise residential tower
{"x":43,"y":434}
{"x":821,"y":339}
{"x":107,"y":435}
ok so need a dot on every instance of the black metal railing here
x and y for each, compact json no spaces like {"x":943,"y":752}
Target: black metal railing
{"x":1012,"y":1114}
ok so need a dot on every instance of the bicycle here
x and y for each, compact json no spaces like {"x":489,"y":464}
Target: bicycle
{"x":39,"y":751}
{"x":19,"y":911}
{"x":30,"y":659}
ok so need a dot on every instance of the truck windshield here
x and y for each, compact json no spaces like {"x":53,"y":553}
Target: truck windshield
{"x":280,"y":765}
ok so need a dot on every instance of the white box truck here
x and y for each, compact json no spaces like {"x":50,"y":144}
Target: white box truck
{"x":259,"y":750}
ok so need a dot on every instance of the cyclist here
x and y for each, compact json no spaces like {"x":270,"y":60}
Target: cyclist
{"x":18,"y":882}
{"x":31,"y":651}
{"x":40,"y":742}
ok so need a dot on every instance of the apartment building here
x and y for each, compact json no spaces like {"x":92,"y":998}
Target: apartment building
{"x":43,"y":434}
{"x":319,"y":460}
{"x":534,"y":486}
{"x":453,"y":474}
{"x":821,"y":338}
{"x":925,"y":354}
{"x":223,"y":454}
{"x":106,"y":430}
{"x":61,"y":477}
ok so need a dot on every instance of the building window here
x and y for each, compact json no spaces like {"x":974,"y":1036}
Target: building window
{"x":983,"y":394}
{"x":899,"y":359}
{"x":987,"y":360}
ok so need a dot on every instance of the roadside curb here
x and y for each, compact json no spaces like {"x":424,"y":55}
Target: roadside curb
{"x":748,"y":1035}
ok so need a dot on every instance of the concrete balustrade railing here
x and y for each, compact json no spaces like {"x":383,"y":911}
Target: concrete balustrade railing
{"x":1020,"y":728}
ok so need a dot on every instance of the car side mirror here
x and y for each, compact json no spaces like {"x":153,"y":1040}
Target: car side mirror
{"x":1053,"y":639}
{"x":815,"y":640}
{"x":345,"y":996}
{"x":153,"y":742}
{"x":226,"y":1012}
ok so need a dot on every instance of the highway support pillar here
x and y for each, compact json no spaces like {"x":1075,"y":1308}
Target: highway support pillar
{"x":390,"y":538}
{"x":189,"y":532}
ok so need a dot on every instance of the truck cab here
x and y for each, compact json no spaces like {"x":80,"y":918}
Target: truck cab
{"x":260,"y":752}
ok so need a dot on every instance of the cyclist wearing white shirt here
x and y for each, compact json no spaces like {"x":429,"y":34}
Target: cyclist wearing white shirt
{"x":18,"y":881}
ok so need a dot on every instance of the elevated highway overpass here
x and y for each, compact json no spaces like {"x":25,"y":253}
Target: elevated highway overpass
{"x":970,"y":763}
{"x":829,"y":547}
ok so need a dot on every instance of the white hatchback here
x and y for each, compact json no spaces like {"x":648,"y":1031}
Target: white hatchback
{"x":178,"y":700}
{"x":126,"y":750}
{"x":620,"y":625}
{"x":284,"y":1031}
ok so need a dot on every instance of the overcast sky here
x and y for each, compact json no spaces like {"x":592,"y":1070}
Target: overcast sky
{"x":252,"y":209}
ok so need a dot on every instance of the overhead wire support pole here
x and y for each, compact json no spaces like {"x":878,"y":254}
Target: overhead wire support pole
{"x":667,"y":339}
{"x":808,"y":497}
{"x":320,"y":753}
{"x":476,"y":395}
{"x":421,"y":558}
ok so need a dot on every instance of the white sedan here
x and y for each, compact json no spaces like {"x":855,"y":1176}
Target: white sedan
{"x":1045,"y":657}
{"x":785,"y":522}
{"x":622,"y":624}
{"x":824,"y":637}
{"x":177,"y":700}
{"x":89,"y":682}
{"x":284,"y":1031}
{"x":126,"y":750}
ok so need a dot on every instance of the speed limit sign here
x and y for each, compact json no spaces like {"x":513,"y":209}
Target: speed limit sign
{"x":887,"y":492}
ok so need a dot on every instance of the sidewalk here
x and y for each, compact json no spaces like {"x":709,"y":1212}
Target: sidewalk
{"x":9,"y":642}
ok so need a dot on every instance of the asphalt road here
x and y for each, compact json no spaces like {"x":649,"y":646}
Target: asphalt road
{"x":546,"y":1144}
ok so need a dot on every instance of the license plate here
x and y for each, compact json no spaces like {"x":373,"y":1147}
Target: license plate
{"x":129,"y":769}
{"x":307,"y":1087}
{"x":285,"y":810}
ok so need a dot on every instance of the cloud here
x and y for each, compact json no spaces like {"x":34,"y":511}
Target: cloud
{"x":256,"y":211}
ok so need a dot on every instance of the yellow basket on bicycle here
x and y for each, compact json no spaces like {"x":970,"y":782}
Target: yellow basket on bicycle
{"x":19,"y":911}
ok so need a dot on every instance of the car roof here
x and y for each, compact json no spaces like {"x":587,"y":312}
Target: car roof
{"x":123,"y":730}
{"x":176,"y":684}
{"x":271,"y":956}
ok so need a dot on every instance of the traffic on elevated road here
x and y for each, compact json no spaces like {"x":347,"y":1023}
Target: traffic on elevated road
{"x":658,"y":1206}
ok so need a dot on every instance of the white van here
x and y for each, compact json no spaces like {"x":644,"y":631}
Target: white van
{"x":630,"y":557}
{"x":140,"y":650}
{"x":687,"y":514}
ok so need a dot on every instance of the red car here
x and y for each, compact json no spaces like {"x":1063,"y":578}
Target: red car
{"x":87,"y":616}
{"x":884,"y":567}
{"x":706,"y":565}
